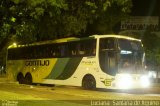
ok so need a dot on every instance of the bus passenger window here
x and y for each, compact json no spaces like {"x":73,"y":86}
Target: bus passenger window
{"x":72,"y":49}
{"x":56,"y":51}
{"x":81,"y":49}
{"x":107,"y":44}
{"x":93,"y":48}
{"x":62,"y":50}
{"x":53,"y":52}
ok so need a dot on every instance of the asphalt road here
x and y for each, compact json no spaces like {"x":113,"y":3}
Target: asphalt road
{"x":15,"y":91}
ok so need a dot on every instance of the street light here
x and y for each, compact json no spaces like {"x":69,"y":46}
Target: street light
{"x":12,"y":45}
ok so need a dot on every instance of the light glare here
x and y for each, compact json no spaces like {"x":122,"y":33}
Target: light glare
{"x":145,"y":81}
{"x":125,"y":81}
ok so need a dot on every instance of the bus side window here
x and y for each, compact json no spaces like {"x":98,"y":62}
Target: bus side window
{"x":107,"y":44}
{"x":94,"y":48}
{"x":52,"y":51}
{"x":87,"y":48}
{"x":64,"y":50}
{"x":81,"y":48}
{"x":57,"y":49}
{"x":73,"y":49}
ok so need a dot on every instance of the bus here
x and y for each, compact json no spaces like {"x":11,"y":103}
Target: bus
{"x":97,"y":61}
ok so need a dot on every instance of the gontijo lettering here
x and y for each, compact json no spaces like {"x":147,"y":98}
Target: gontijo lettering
{"x":37,"y":63}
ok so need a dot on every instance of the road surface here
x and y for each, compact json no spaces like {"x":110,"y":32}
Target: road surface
{"x":17,"y":95}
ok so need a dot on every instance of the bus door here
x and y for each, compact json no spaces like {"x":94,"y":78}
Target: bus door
{"x":108,"y":56}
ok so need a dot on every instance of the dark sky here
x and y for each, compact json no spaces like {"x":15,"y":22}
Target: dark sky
{"x":146,"y":8}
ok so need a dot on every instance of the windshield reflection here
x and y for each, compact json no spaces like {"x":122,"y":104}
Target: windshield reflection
{"x":130,"y":57}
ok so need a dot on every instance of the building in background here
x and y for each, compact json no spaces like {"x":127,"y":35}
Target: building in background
{"x":138,"y":23}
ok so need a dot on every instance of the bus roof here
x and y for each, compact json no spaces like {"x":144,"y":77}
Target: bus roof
{"x":116,"y":36}
{"x":69,"y":39}
{"x":44,"y":42}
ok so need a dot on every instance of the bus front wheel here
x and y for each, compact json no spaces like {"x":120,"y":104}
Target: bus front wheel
{"x":89,"y":82}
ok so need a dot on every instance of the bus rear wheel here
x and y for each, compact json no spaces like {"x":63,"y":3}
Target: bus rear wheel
{"x":28,"y":79}
{"x":89,"y":82}
{"x":20,"y":78}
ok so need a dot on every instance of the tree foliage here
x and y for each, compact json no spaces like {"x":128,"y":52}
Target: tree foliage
{"x":110,"y":14}
{"x":152,"y":49}
{"x":34,"y":20}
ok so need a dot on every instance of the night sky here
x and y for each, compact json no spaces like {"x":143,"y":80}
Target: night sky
{"x":146,"y":8}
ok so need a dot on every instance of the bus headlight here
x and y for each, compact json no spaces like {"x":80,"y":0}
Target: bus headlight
{"x":145,"y":81}
{"x":125,"y":81}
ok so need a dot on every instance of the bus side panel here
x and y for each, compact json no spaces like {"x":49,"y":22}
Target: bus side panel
{"x":41,"y":71}
{"x":38,"y":68}
{"x":87,"y":65}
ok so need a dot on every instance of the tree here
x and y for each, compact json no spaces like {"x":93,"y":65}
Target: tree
{"x":35,"y":20}
{"x":111,"y":14}
{"x":152,"y":49}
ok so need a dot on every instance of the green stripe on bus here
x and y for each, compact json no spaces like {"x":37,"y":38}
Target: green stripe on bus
{"x":70,"y":68}
{"x":58,"y":68}
{"x":64,"y":68}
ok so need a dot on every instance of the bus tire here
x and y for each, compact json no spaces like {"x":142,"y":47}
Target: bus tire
{"x":89,"y":82}
{"x":20,"y":78}
{"x":28,"y":79}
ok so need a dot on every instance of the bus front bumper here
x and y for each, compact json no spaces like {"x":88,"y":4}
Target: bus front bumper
{"x":127,"y":81}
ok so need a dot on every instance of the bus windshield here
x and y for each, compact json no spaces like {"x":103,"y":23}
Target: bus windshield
{"x":131,"y":57}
